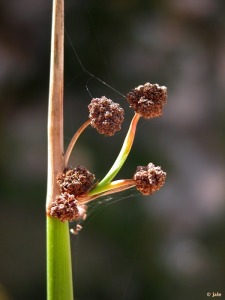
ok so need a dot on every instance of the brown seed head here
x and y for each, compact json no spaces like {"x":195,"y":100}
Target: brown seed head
{"x":149,"y":179}
{"x":148,"y":99}
{"x":65,"y":207}
{"x":106,"y":116}
{"x":77,"y":181}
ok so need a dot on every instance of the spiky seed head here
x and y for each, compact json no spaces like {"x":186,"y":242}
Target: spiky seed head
{"x":149,"y":179}
{"x":65,"y":207}
{"x":148,"y":99}
{"x":77,"y":181}
{"x":105,"y":115}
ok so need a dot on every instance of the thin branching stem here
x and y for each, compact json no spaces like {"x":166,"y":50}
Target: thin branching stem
{"x":73,"y":141}
{"x":121,"y":158}
{"x":109,"y":188}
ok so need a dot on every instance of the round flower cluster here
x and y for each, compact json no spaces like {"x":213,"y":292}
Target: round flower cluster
{"x":149,"y":179}
{"x":105,"y":115}
{"x":73,"y":183}
{"x":77,"y":181}
{"x":65,"y":207}
{"x":148,"y":99}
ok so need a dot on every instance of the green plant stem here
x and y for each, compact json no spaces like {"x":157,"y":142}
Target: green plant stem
{"x":108,"y":189}
{"x":59,"y":270}
{"x":59,"y":260}
{"x":121,"y":158}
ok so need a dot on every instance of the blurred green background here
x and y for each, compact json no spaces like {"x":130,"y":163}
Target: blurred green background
{"x":169,"y":246}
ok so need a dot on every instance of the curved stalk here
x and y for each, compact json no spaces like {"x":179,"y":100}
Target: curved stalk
{"x":121,"y":158}
{"x":108,"y":189}
{"x":73,"y":141}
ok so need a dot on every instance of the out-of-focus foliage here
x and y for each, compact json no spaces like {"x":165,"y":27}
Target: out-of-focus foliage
{"x":167,"y":246}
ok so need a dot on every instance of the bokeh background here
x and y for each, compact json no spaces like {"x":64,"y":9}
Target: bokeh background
{"x":167,"y":246}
